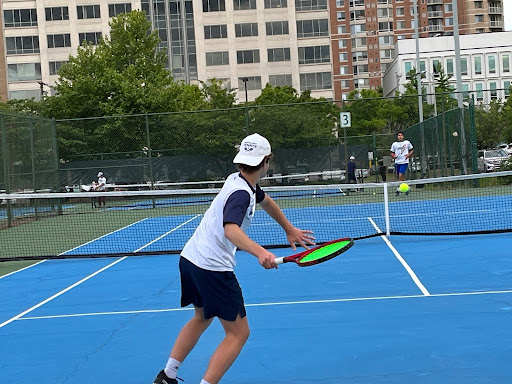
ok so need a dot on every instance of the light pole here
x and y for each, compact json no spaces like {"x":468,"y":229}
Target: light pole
{"x":245,"y":80}
{"x":41,"y":85}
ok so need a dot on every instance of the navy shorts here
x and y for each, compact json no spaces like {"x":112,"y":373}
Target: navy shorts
{"x":217,"y":293}
{"x":401,"y":168}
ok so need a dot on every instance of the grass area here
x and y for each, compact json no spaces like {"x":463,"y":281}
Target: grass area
{"x":11,"y":266}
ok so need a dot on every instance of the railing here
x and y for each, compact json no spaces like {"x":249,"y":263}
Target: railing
{"x":435,"y":14}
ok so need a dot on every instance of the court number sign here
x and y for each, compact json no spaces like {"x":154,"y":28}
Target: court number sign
{"x":345,"y":119}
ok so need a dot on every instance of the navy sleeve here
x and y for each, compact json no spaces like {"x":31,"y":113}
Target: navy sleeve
{"x":260,"y":194}
{"x":236,"y":207}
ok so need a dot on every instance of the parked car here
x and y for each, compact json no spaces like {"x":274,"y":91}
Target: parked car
{"x":333,"y":174}
{"x":506,"y":147}
{"x":490,"y":160}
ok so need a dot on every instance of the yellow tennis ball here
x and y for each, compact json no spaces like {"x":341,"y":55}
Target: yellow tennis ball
{"x":404,"y":187}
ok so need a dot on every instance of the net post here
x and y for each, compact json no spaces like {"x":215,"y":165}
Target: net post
{"x":386,"y":209}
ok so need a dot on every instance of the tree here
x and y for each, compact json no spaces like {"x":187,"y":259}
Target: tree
{"x":124,"y":74}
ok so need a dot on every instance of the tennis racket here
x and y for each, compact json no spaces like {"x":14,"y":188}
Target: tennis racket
{"x":318,"y":254}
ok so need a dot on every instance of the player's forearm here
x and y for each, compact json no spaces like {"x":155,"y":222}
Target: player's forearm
{"x":270,"y":206}
{"x":237,"y":236}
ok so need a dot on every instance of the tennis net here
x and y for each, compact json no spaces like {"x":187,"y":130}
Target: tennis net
{"x":62,"y":225}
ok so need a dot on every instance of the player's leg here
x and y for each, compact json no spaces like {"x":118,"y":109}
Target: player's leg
{"x":237,"y":333}
{"x":189,"y":335}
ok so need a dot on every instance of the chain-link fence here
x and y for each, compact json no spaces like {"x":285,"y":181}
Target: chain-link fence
{"x":29,"y":160}
{"x":200,"y":145}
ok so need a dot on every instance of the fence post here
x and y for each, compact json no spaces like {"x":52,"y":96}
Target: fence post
{"x":56,"y":159}
{"x":472,"y":133}
{"x":150,"y":157}
{"x":33,"y":161}
{"x":6,"y":169}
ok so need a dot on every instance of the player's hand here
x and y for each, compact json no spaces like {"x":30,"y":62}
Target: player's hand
{"x":267,"y":260}
{"x":301,"y":237}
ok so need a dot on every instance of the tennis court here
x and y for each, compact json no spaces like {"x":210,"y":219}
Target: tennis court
{"x":359,"y":318}
{"x":397,"y":309}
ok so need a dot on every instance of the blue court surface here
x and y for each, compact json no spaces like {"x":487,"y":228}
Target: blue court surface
{"x":408,"y":310}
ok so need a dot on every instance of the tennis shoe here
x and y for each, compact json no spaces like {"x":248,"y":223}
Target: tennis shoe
{"x":163,"y":379}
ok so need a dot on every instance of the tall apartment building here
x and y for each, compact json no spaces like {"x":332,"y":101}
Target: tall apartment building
{"x":364,"y":33}
{"x":326,"y":46}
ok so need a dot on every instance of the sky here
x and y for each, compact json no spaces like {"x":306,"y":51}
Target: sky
{"x":507,"y":10}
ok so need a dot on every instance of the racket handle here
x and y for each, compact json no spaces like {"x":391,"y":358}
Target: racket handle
{"x":279,"y":260}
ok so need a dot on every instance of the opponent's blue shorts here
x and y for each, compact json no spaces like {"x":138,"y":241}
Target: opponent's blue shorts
{"x":216,"y":292}
{"x":401,"y":168}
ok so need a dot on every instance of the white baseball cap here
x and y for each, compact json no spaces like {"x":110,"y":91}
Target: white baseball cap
{"x":100,"y":174}
{"x":253,"y":150}
{"x":352,"y":157}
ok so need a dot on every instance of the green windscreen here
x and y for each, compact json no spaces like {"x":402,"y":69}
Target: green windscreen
{"x":324,"y":251}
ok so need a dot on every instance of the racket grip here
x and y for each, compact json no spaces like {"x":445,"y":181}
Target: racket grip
{"x":279,"y":260}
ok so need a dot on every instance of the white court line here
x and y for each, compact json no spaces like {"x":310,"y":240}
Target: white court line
{"x":273,"y":304}
{"x":22,"y":269}
{"x":60,"y":293}
{"x":117,"y":230}
{"x":401,"y":259}
{"x":166,"y":233}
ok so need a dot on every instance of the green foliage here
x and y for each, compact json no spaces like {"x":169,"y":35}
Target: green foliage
{"x":488,"y":124}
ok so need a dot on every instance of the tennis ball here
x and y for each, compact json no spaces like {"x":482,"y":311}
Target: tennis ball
{"x":404,"y":187}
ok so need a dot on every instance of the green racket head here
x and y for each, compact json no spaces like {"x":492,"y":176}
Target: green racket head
{"x":325,"y":252}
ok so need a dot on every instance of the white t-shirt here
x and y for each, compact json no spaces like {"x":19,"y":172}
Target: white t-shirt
{"x":401,"y":149}
{"x":102,"y":180}
{"x":208,"y":248}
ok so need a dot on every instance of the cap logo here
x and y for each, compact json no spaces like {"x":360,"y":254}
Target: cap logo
{"x":248,"y":147}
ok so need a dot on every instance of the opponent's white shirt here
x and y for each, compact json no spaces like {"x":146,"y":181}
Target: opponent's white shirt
{"x":208,"y":248}
{"x":102,"y":181}
{"x":400,"y":149}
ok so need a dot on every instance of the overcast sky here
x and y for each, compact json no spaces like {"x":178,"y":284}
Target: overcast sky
{"x":507,"y":10}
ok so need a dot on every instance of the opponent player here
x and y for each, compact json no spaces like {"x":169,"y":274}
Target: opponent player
{"x":401,"y":150}
{"x":207,"y":261}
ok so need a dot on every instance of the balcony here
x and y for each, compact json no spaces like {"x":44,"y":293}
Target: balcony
{"x":496,"y":10}
{"x":496,"y":24}
{"x":435,"y":14}
{"x":435,"y":28}
{"x":431,"y":2}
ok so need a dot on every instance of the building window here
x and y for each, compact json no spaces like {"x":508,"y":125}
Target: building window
{"x":248,"y":57}
{"x":449,"y":67}
{"x":24,"y":72}
{"x":383,"y":12}
{"x":343,"y":56}
{"x":479,"y":18}
{"x":478,"y":65}
{"x":357,"y":28}
{"x":312,"y":28}
{"x":340,"y":16}
{"x":359,"y":56}
{"x":246,"y":29}
{"x":340,"y":3}
{"x":448,"y":21}
{"x":479,"y":91}
{"x":360,"y":69}
{"x":26,"y":94}
{"x":242,"y":5}
{"x":400,"y":24}
{"x":55,"y":66}
{"x":280,"y":80}
{"x":386,"y":40}
{"x":310,"y":5}
{"x":278,"y":54}
{"x":386,"y":53}
{"x":253,"y":83}
{"x":22,"y":44}
{"x":275,"y":4}
{"x":357,"y":15}
{"x":407,"y":69}
{"x":344,"y":70}
{"x":491,"y":61}
{"x":314,"y":55}
{"x":448,"y":8}
{"x":215,"y":31}
{"x":57,"y":13}
{"x":506,"y":86}
{"x":217,"y":58}
{"x":59,"y":41}
{"x":90,"y":37}
{"x":117,"y":9}
{"x":276,"y":28}
{"x":494,"y":90}
{"x":505,"y":63}
{"x":464,"y":66}
{"x":400,"y":11}
{"x":342,"y":29}
{"x":479,"y":4}
{"x":88,"y":11}
{"x":320,"y":80}
{"x":386,"y":26}
{"x":214,"y":5}
{"x":20,"y":18}
{"x":342,"y":43}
